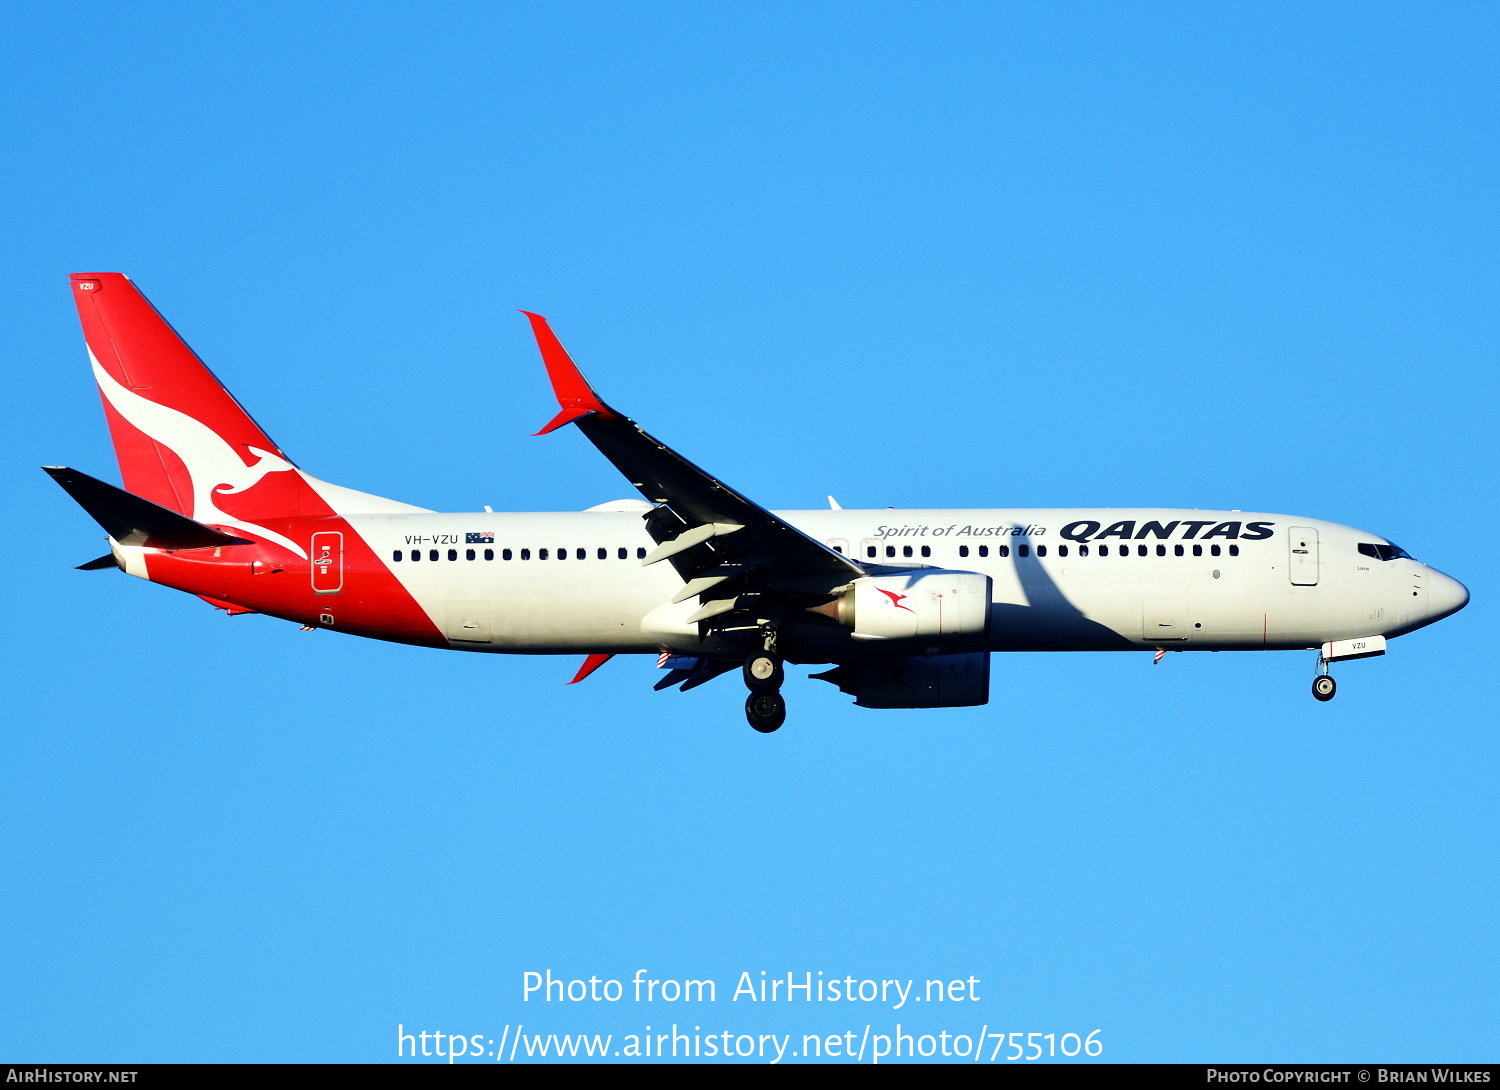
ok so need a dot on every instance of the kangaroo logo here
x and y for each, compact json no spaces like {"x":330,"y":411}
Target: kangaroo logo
{"x":212,"y":465}
{"x":896,"y":599}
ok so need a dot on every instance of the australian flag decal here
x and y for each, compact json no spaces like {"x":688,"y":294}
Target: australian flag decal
{"x":479,"y":539}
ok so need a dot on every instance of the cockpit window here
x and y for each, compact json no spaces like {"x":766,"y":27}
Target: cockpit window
{"x":1383,"y":552}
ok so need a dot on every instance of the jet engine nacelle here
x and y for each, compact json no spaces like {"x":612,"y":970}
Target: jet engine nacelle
{"x":935,"y":681}
{"x":926,"y":603}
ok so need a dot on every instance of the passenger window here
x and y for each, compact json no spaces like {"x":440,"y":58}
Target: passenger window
{"x":870,"y":551}
{"x":1234,"y":550}
{"x":452,"y":554}
{"x":1062,"y":550}
{"x":1023,"y":550}
{"x":432,"y":554}
{"x":505,"y":554}
{"x":562,"y":554}
{"x":890,"y":550}
{"x":1103,"y":550}
{"x":396,"y":555}
{"x":963,"y":550}
{"x":1083,"y":550}
{"x":1041,"y":550}
{"x":906,"y":550}
{"x":926,"y":550}
{"x":1141,"y":550}
{"x":1161,"y":550}
{"x":416,"y":554}
{"x":603,"y":554}
{"x":1213,"y":550}
{"x":468,"y":554}
{"x":489,"y":554}
{"x":1178,"y":550}
{"x":640,"y":552}
{"x":525,"y":554}
{"x":1197,"y":550}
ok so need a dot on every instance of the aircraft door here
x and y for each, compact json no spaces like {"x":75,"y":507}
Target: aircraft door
{"x":327,"y":562}
{"x":1302,"y":566}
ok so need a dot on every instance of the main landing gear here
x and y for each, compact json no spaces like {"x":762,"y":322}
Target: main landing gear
{"x":763,"y":673}
{"x":765,"y":711}
{"x":765,"y":708}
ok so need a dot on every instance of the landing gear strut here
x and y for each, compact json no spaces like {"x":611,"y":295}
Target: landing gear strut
{"x":1323,"y":685}
{"x":765,"y":708}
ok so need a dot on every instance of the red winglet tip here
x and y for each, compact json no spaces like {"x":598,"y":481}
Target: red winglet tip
{"x":590,"y":664}
{"x":572,"y":390}
{"x":567,"y":416}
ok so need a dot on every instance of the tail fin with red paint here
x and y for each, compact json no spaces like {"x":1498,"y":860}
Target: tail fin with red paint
{"x":183,"y":442}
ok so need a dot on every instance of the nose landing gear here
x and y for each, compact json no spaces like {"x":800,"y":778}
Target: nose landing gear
{"x":1361,"y":647}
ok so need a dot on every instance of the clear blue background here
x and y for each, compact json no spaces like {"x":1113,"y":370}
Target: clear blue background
{"x":937,"y":255}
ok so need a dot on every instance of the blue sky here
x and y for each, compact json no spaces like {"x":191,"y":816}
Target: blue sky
{"x":948,"y":255}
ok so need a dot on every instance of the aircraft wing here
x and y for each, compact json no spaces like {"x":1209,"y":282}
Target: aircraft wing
{"x":731,"y":552}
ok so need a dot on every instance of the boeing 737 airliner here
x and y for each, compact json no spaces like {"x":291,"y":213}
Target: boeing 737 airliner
{"x":904,"y":606}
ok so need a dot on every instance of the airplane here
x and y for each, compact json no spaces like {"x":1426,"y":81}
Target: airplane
{"x":904,"y":607}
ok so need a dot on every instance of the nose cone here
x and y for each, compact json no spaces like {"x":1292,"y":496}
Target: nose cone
{"x":1445,"y":595}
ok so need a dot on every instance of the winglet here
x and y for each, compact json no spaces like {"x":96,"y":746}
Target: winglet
{"x":573,"y":391}
{"x":590,"y":664}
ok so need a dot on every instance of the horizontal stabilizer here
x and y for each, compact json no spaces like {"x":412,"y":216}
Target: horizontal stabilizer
{"x":130,"y":520}
{"x":99,"y":563}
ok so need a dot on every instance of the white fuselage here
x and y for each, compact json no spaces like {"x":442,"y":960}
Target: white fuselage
{"x":1062,"y":579}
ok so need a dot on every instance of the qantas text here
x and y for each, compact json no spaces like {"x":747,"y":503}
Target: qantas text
{"x":1086,"y":530}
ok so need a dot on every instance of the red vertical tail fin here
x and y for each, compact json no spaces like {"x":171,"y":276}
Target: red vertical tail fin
{"x":182,"y":440}
{"x":180,"y":437}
